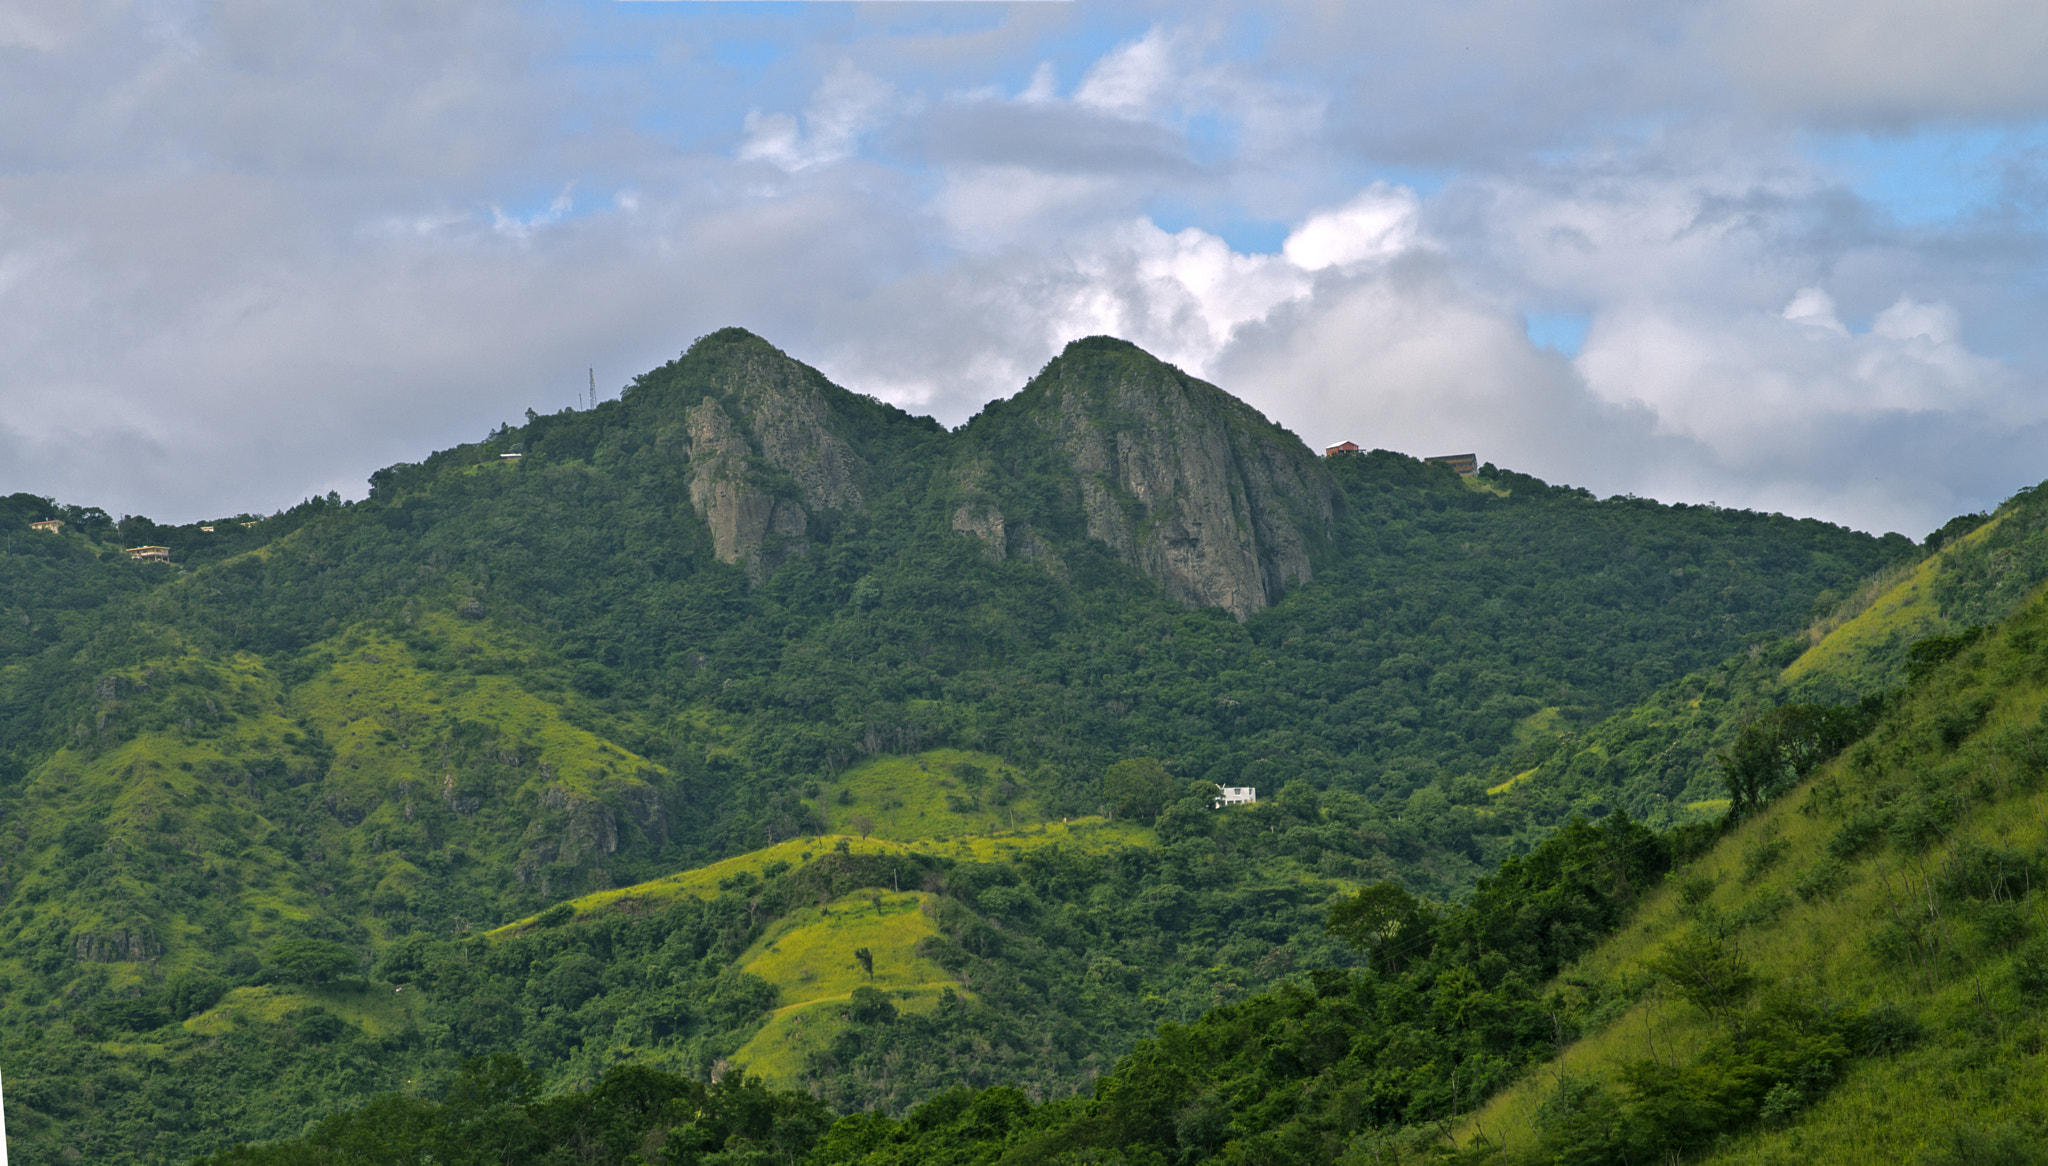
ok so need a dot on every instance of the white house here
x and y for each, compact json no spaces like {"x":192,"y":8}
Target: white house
{"x":1235,"y":795}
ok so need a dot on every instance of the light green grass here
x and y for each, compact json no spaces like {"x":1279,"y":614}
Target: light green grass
{"x":1509,"y":784}
{"x":808,"y":956}
{"x":929,"y":795}
{"x":1862,"y":648}
{"x":377,"y":1009}
{"x":1088,"y":835}
{"x":1884,"y":1108}
{"x":1542,"y":724}
{"x":154,"y":786}
{"x":375,"y":706}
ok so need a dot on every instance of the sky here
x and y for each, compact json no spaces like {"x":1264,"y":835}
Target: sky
{"x":1789,"y":255}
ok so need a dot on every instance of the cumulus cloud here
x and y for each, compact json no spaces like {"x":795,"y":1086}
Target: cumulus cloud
{"x":1884,"y":62}
{"x":1378,"y":224}
{"x":847,"y":104}
{"x":251,"y":252}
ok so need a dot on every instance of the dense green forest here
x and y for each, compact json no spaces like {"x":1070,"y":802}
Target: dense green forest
{"x":1852,"y":967}
{"x":258,"y":809}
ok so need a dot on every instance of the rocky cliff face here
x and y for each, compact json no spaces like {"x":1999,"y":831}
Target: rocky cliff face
{"x":1181,"y":480}
{"x":764,"y":457}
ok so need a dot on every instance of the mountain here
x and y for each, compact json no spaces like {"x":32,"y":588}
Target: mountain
{"x":469,"y":737}
{"x":1178,"y":479}
{"x":1852,"y":968}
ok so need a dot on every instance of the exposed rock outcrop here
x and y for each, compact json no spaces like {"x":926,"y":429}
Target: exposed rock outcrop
{"x":740,"y":510}
{"x":767,"y":418}
{"x":1181,"y":480}
{"x":121,"y":945}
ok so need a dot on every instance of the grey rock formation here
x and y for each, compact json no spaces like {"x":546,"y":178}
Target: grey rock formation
{"x":1181,"y":480}
{"x":768,"y":415}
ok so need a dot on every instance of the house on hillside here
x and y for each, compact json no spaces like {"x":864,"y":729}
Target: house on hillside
{"x":1234,"y":795}
{"x":1342,"y":447}
{"x":1467,"y":464}
{"x":149,"y":554}
{"x":53,"y":525}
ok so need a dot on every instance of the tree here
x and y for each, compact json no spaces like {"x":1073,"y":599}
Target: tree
{"x":1384,"y":921}
{"x":862,"y":823}
{"x":311,"y":961}
{"x":867,"y":960}
{"x":1784,"y":745}
{"x":870,"y":1006}
{"x":1706,"y":971}
{"x":1138,"y":788}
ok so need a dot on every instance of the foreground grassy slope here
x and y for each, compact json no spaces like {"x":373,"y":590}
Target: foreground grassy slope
{"x":1862,"y":645}
{"x":1657,"y":759}
{"x":1901,"y":887}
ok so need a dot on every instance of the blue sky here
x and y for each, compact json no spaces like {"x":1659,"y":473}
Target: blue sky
{"x":1777,"y":254}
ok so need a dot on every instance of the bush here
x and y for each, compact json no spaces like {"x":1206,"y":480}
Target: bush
{"x":311,"y":961}
{"x":320,"y":1027}
{"x":870,"y":1006}
{"x":1889,"y":1029}
{"x":2030,"y":969}
{"x":190,"y":993}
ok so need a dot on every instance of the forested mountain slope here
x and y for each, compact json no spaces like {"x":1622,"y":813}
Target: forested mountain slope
{"x":676,"y":627}
{"x":1660,"y":758}
{"x":1853,"y":970}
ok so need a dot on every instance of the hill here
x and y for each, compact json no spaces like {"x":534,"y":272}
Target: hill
{"x":1660,"y":759}
{"x":733,"y":612}
{"x":1855,"y":969}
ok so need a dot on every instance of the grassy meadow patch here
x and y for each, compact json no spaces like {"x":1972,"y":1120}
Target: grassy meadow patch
{"x":810,"y":958}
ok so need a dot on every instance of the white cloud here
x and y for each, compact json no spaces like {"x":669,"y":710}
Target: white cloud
{"x":1377,"y":225}
{"x":1183,"y":296}
{"x":1816,"y":309}
{"x":1044,"y":84}
{"x":251,"y":256}
{"x":1136,"y":78}
{"x":847,"y":104}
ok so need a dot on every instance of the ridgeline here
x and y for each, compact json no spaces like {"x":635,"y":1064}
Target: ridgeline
{"x":745,"y":752}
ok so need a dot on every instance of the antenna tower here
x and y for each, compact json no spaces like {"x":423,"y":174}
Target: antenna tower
{"x":593,"y":388}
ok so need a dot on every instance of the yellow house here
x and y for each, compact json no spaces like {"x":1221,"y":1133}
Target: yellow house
{"x":50,"y":524}
{"x":149,"y":554}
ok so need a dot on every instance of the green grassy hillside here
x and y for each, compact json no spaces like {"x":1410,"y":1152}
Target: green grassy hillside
{"x":1854,"y":970}
{"x":1658,"y":760}
{"x":1897,"y":897}
{"x":353,"y":731}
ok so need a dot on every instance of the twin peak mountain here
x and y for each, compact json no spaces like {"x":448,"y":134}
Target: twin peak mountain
{"x":1108,"y":449}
